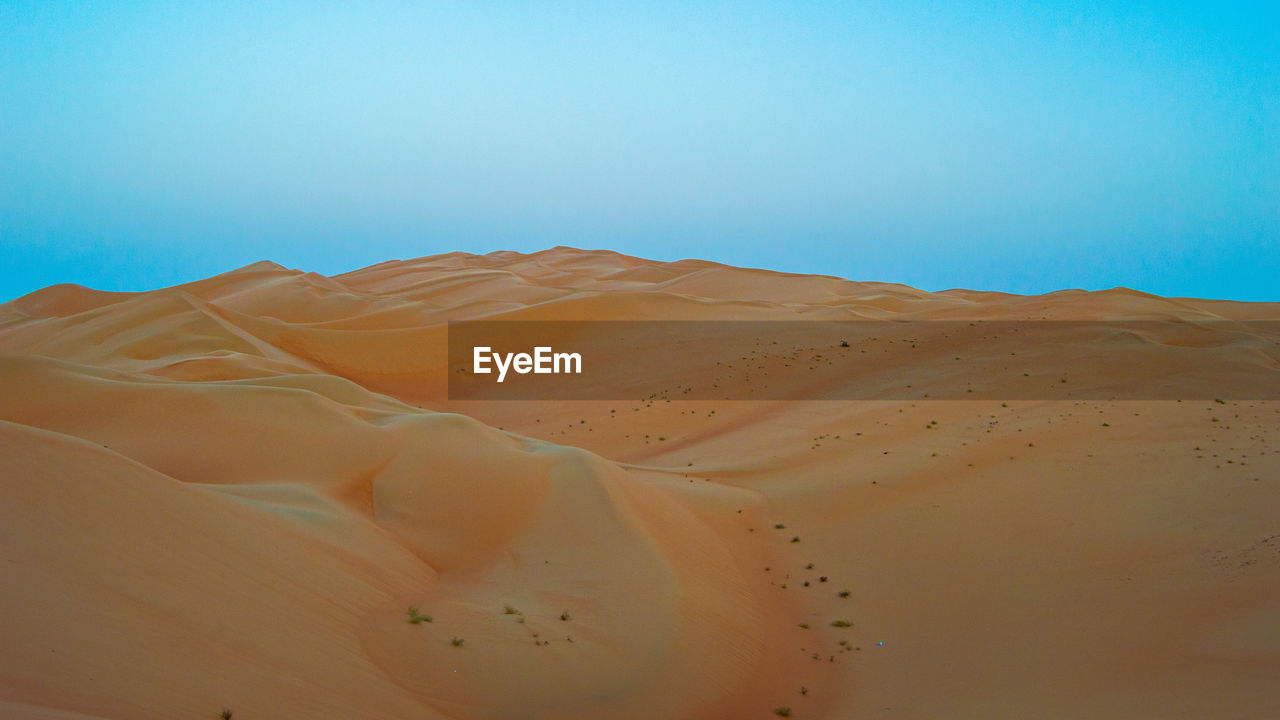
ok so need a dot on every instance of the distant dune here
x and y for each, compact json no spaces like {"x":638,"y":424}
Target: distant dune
{"x":231,"y":493}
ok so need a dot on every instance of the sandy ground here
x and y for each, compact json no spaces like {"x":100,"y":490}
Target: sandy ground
{"x":228,"y":494}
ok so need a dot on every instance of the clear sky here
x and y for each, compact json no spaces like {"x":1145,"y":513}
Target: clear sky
{"x":1016,"y":146}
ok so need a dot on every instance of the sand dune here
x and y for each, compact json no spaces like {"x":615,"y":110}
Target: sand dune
{"x":228,"y":494}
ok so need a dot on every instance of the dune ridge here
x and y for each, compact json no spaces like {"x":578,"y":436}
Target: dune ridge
{"x":229,"y":493}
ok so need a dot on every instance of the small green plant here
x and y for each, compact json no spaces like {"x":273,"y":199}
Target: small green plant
{"x":416,"y":617}
{"x":225,"y":714}
{"x":778,"y":526}
{"x":844,"y":593}
{"x":842,"y":624}
{"x":844,"y":343}
{"x":782,"y":711}
{"x":457,"y":642}
{"x":564,"y":616}
{"x":508,"y":610}
{"x":795,"y":539}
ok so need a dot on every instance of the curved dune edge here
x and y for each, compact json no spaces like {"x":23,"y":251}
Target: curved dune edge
{"x":662,"y":620}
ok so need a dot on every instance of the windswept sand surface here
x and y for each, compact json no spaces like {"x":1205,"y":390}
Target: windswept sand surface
{"x":227,"y":494}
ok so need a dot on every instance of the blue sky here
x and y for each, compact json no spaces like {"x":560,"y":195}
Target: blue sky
{"x":1016,"y":146}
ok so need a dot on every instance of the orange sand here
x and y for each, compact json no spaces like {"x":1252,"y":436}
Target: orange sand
{"x":227,"y":494}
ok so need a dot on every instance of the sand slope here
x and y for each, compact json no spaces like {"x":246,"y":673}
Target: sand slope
{"x":227,"y":494}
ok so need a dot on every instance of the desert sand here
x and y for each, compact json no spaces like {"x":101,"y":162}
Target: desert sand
{"x":228,"y":495}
